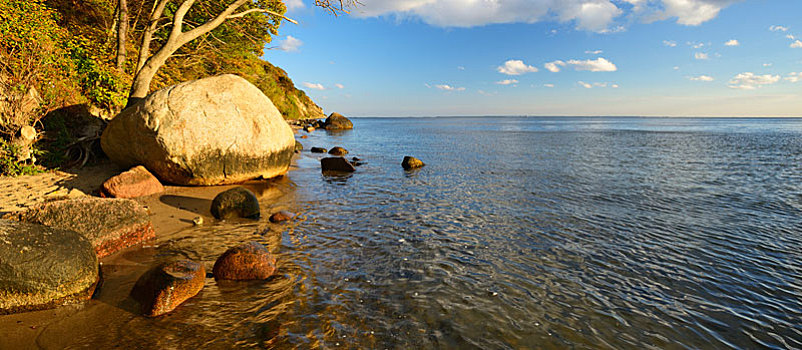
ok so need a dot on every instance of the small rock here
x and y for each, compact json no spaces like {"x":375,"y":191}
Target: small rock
{"x":309,"y":128}
{"x":304,"y":137}
{"x":167,"y":285}
{"x":298,"y":147}
{"x":356,"y":159}
{"x":137,"y":182}
{"x":338,"y":151}
{"x":411,"y":163}
{"x":239,"y":202}
{"x":281,"y":216}
{"x":249,"y":261}
{"x":198,"y":221}
{"x":317,"y":150}
{"x":339,"y":164}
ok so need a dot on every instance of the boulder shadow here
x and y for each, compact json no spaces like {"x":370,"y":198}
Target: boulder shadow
{"x":198,"y":206}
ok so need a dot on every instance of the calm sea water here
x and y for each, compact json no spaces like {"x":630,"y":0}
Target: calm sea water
{"x":519,"y":233}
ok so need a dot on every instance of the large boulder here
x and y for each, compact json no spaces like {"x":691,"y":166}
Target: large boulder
{"x":336,"y":164}
{"x":109,"y":224}
{"x":43,"y":267}
{"x":212,"y":131}
{"x":137,"y":182}
{"x":337,"y":121}
{"x":165,"y":286}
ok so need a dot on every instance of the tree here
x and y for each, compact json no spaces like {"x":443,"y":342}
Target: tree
{"x":218,"y":12}
{"x":122,"y":33}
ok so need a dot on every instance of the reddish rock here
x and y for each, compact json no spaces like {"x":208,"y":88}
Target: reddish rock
{"x":167,"y":285}
{"x":336,"y":164}
{"x":304,"y":136}
{"x":133,"y":183}
{"x":249,"y":261}
{"x":281,"y":216}
{"x":109,"y":224}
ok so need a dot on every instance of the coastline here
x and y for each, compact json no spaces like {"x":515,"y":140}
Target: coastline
{"x":171,"y":212}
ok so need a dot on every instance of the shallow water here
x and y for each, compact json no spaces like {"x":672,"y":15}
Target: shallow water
{"x":519,"y":233}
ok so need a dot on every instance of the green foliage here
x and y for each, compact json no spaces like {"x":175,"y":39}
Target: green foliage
{"x":101,"y":85}
{"x":9,"y":166}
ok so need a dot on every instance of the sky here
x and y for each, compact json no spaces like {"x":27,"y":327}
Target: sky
{"x":547,"y":57}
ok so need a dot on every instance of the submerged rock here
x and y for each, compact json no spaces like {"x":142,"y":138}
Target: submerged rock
{"x":411,"y":163}
{"x":317,"y":150}
{"x":281,"y":216}
{"x":167,"y":285}
{"x":136,"y":182}
{"x":236,"y":202}
{"x":249,"y":261}
{"x":110,"y":224}
{"x":338,"y":151}
{"x":298,"y":147}
{"x":217,"y":130}
{"x":43,"y":267}
{"x":337,"y":121}
{"x":336,"y":164}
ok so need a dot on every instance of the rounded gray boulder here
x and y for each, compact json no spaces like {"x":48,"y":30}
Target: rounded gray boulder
{"x":43,"y":267}
{"x":212,"y":131}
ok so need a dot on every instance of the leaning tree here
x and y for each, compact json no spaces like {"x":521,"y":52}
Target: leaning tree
{"x":168,"y":22}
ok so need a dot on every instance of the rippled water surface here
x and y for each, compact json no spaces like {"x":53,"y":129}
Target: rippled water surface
{"x":519,"y":233}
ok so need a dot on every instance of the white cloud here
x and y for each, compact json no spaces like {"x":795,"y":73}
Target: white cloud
{"x":692,"y":12}
{"x":732,"y":42}
{"x":516,"y":67}
{"x":778,"y":29}
{"x":701,"y":56}
{"x":676,"y":68}
{"x":701,"y":78}
{"x":794,"y":77}
{"x":314,"y":86}
{"x":446,"y":87}
{"x":696,"y":45}
{"x":670,"y":43}
{"x":548,"y":85}
{"x":598,"y":85}
{"x":598,"y":65}
{"x":790,"y":36}
{"x":507,"y":82}
{"x":595,"y":52}
{"x":767,"y":64}
{"x":339,"y":86}
{"x":750,"y":81}
{"x":554,"y":67}
{"x":796,"y":44}
{"x":294,"y":4}
{"x":593,"y":15}
{"x":291,"y":44}
{"x":461,"y":68}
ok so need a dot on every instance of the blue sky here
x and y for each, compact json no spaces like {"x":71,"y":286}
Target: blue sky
{"x":500,"y":57}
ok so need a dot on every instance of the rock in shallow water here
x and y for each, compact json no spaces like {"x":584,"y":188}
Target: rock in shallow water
{"x":249,"y":261}
{"x":337,"y":121}
{"x":217,"y":130}
{"x":411,"y":163}
{"x":110,"y":224}
{"x":317,"y":150}
{"x":43,"y":267}
{"x":338,"y":151}
{"x":236,"y":202}
{"x":167,"y":285}
{"x":281,"y":216}
{"x":336,"y":164}
{"x":137,"y":182}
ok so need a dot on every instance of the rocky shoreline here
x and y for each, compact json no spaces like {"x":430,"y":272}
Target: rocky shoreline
{"x":122,"y":210}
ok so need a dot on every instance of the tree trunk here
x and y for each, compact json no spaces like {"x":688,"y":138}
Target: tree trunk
{"x":122,"y":33}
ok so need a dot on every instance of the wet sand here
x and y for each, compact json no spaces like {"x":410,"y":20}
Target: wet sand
{"x":171,"y":212}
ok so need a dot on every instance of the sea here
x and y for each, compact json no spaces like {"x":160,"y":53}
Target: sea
{"x":519,"y":233}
